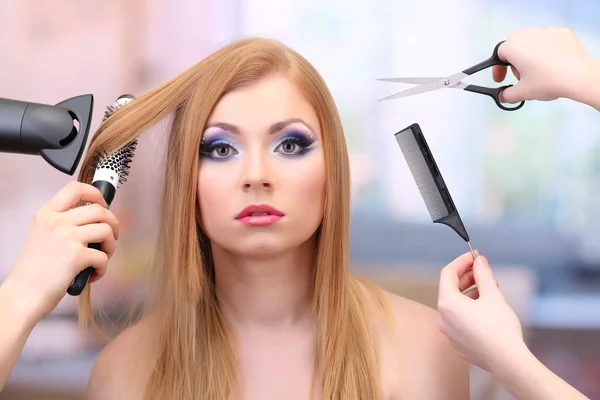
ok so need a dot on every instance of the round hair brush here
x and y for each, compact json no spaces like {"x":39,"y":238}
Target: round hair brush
{"x":110,"y":172}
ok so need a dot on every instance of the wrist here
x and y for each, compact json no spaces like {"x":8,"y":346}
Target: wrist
{"x":514,"y":359}
{"x":22,"y":307}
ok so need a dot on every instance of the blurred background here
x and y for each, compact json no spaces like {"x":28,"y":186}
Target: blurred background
{"x":527,"y":184}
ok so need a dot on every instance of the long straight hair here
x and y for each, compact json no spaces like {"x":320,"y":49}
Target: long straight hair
{"x":196,"y":354}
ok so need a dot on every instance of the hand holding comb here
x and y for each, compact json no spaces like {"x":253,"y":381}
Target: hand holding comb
{"x":429,"y":180}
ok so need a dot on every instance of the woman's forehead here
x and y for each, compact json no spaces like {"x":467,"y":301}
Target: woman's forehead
{"x":259,"y":106}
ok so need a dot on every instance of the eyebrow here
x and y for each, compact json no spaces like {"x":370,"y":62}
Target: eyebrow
{"x":276,"y":127}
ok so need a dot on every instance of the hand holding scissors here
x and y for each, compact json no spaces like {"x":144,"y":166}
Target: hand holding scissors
{"x":427,"y":84}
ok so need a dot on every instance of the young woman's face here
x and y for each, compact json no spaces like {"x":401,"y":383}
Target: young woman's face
{"x":261,"y":180}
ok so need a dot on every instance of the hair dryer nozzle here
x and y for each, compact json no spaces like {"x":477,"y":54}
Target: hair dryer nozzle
{"x":56,"y":132}
{"x":66,"y":159}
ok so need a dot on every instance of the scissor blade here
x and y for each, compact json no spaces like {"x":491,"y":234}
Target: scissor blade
{"x":427,"y":87}
{"x":409,"y":80}
{"x":453,"y":81}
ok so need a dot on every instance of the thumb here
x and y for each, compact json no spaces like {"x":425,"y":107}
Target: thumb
{"x":484,"y":278}
{"x":514,"y":94}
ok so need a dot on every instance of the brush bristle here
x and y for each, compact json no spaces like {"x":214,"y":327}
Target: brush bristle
{"x":108,"y":112}
{"x":120,"y":160}
{"x":121,"y":101}
{"x":422,"y":175}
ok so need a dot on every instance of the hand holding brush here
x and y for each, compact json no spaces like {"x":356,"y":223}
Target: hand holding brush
{"x":65,"y":241}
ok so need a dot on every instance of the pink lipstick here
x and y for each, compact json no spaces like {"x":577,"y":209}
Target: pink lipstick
{"x":259,"y":215}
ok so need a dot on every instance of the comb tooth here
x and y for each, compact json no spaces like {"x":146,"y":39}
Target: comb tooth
{"x":422,"y":175}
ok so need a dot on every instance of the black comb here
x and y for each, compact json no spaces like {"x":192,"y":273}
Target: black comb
{"x":110,"y":171}
{"x":429,"y":180}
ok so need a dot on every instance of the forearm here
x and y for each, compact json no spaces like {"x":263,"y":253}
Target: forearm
{"x":16,"y":324}
{"x":525,"y":377}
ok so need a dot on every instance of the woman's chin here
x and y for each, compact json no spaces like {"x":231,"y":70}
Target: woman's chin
{"x":262,"y":247}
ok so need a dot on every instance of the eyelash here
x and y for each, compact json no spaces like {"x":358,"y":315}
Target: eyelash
{"x":297,"y":139}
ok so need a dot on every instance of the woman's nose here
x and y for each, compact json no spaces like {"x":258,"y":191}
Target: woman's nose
{"x":257,"y":171}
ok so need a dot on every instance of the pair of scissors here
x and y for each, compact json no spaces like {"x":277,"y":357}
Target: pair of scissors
{"x":455,"y":82}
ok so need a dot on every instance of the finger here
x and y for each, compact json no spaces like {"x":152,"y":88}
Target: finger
{"x":473,"y":293}
{"x":98,"y":233}
{"x":73,"y":193}
{"x":451,"y":273}
{"x":466,"y":280}
{"x":504,"y":52}
{"x":515,"y":72}
{"x":484,"y":278}
{"x":99,"y":261}
{"x":93,"y":213}
{"x":514,"y":94}
{"x":499,"y":73}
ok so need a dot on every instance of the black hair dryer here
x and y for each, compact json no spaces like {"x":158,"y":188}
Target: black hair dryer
{"x":58,"y":132}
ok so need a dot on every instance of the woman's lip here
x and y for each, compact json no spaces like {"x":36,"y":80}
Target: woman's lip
{"x":259,"y":208}
{"x":260,"y":220}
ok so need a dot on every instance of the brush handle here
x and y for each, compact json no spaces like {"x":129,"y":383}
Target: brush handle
{"x":108,"y":191}
{"x":82,"y":278}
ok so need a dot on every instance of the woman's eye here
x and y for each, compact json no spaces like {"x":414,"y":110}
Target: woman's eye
{"x":289,"y":146}
{"x":218,"y":150}
{"x":221,"y":151}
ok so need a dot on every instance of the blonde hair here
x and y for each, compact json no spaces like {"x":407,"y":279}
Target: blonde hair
{"x":197,"y":356}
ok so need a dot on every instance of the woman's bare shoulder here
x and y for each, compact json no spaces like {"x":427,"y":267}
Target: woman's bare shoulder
{"x":410,"y":317}
{"x":416,"y":358}
{"x":124,"y":365}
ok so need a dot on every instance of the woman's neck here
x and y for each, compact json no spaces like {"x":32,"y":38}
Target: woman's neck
{"x":258,"y":294}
